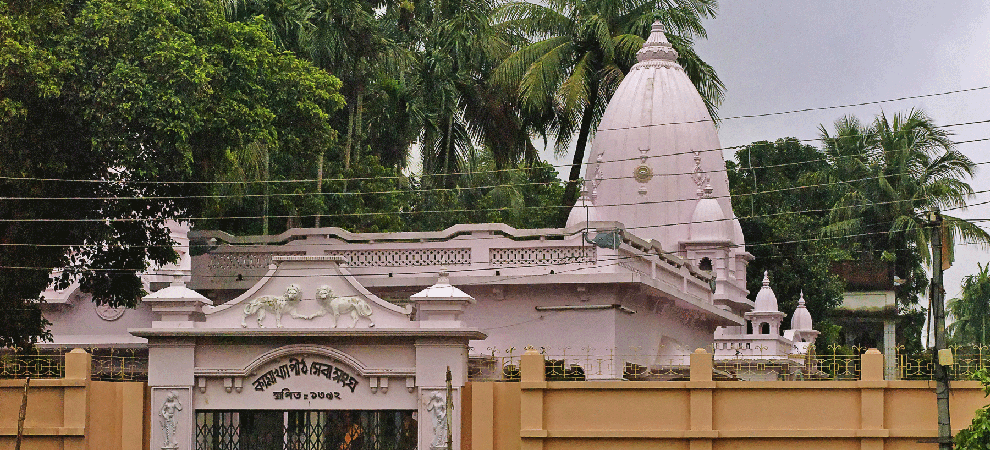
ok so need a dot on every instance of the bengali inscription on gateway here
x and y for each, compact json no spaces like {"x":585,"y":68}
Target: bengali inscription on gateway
{"x":298,"y":367}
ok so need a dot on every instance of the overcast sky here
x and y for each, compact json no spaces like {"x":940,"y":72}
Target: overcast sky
{"x":781,"y":55}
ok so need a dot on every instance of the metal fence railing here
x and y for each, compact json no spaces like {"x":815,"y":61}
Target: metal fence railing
{"x":34,"y":365}
{"x":832,"y":363}
{"x":565,"y":364}
{"x":108,"y":364}
{"x":921,"y":366}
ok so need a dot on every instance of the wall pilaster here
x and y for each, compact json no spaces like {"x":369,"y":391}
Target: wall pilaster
{"x":701,"y":387}
{"x":171,"y":382}
{"x":871,"y":401}
{"x":532,"y":384}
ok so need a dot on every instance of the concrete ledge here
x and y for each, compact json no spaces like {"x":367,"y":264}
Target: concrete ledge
{"x":913,"y":433}
{"x":733,"y":434}
{"x":631,"y":434}
{"x":613,"y":385}
{"x":808,"y":434}
{"x":464,"y":333}
{"x":44,"y":431}
{"x":533,"y":385}
{"x":533,"y":433}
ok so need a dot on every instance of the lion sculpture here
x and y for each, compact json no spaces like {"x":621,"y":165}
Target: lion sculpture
{"x":336,"y":306}
{"x":274,"y":304}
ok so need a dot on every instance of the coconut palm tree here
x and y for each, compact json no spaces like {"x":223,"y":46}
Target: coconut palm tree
{"x":579,"y":53}
{"x":889,"y":176}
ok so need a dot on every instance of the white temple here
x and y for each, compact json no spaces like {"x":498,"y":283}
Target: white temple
{"x":651,"y":255}
{"x":331,"y":326}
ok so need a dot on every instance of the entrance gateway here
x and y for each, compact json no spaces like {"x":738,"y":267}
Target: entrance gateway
{"x":307,"y":359}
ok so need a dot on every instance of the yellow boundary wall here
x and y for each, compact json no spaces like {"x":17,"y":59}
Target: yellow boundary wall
{"x":75,"y":413}
{"x":701,"y":414}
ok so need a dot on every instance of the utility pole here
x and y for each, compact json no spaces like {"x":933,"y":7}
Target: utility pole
{"x":937,"y":300}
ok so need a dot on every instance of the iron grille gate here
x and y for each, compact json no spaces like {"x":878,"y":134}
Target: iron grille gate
{"x":305,"y":430}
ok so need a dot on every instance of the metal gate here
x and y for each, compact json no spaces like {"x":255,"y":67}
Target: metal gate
{"x":305,"y":430}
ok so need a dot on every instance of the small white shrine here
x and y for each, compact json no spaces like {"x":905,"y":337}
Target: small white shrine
{"x":763,"y":339}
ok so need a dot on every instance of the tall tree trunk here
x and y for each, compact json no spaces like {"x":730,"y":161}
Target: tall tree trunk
{"x":319,"y":184}
{"x":359,"y":124}
{"x":447,"y":152}
{"x":350,"y":136}
{"x":264,"y":223}
{"x":570,"y":192}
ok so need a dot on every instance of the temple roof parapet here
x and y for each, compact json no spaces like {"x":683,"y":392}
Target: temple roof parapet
{"x":295,"y":242}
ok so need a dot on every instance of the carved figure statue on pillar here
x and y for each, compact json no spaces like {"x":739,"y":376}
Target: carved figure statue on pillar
{"x":437,"y":406}
{"x":170,"y":408}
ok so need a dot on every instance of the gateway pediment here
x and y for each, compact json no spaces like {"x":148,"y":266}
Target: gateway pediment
{"x":307,"y":292}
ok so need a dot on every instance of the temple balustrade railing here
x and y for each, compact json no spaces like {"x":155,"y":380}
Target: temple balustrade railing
{"x":224,"y":261}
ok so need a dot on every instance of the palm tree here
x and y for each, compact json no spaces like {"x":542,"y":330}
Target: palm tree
{"x":971,"y":309}
{"x":580,"y":52}
{"x":889,"y":176}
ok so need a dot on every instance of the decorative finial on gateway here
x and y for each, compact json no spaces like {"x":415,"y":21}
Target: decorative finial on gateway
{"x":444,"y":277}
{"x":766,"y":278}
{"x":801,"y":300}
{"x":656,"y":46}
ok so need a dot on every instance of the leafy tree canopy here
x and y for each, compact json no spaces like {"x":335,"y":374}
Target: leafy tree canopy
{"x":130,"y":93}
{"x":779,"y":210}
{"x":969,"y":312}
{"x":977,"y":435}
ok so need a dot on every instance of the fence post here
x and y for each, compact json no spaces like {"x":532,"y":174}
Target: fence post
{"x":78,"y":365}
{"x":78,"y":368}
{"x":701,"y":387}
{"x":871,"y":400}
{"x":532,"y":384}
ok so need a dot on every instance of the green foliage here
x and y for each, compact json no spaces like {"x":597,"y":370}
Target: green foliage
{"x":134,"y":92}
{"x":777,"y":214}
{"x":525,"y":197}
{"x":374,"y":200}
{"x":977,"y":435}
{"x":969,"y":311}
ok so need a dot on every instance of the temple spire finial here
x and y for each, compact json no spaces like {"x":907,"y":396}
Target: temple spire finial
{"x":657,"y":46}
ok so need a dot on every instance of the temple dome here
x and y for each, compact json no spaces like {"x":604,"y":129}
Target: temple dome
{"x":708,"y":222}
{"x":766,"y":300}
{"x":655,"y":146}
{"x":801,"y":320}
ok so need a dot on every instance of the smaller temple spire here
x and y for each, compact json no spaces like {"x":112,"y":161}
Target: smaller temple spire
{"x":801,"y":320}
{"x":766,"y":299}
